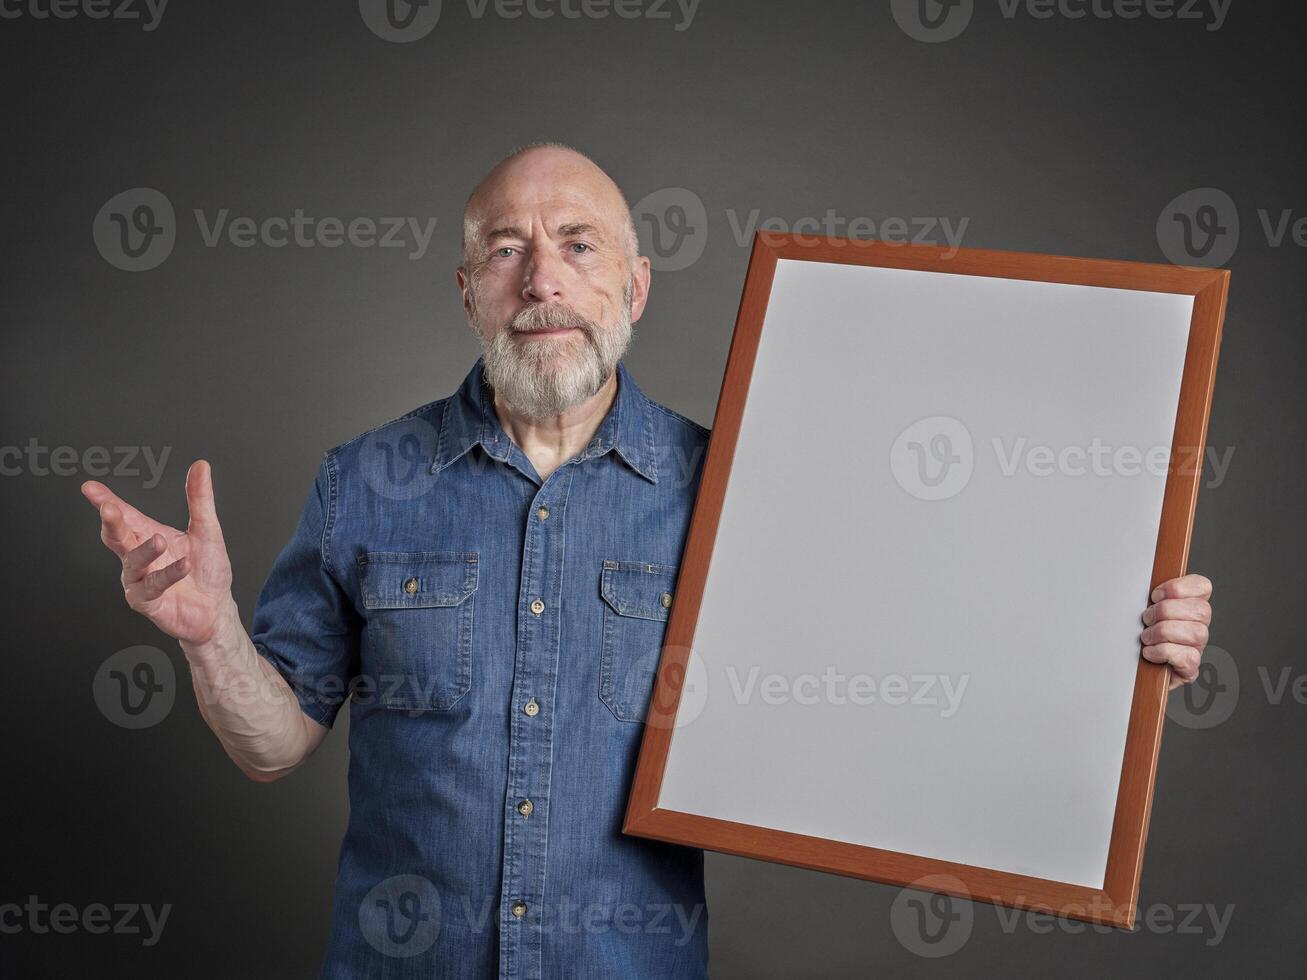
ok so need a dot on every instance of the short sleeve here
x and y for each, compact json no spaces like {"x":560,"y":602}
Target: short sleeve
{"x":304,"y":622}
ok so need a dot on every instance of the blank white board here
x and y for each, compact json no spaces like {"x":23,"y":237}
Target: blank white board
{"x":918,"y":607}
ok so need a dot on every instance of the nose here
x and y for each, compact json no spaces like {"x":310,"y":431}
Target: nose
{"x":543,"y":282}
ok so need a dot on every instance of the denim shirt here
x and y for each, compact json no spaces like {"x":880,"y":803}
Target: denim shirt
{"x":496,"y":636}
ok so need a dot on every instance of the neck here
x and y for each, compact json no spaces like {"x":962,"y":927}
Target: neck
{"x":551,"y":441}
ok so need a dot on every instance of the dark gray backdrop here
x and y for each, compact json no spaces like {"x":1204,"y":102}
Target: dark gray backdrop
{"x":1078,"y":135}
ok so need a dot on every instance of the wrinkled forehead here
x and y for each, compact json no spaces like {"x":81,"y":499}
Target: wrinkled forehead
{"x":532,"y":208}
{"x":554,"y":195}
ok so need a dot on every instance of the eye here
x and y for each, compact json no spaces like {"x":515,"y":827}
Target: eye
{"x":504,"y":251}
{"x":580,"y":248}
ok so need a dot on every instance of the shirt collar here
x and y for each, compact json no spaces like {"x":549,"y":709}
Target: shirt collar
{"x":469,"y":418}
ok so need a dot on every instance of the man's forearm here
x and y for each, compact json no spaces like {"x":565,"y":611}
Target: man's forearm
{"x":248,"y":704}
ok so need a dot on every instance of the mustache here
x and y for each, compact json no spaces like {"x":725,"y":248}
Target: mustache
{"x":550,"y":316}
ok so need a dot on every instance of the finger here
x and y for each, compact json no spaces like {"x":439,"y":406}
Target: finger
{"x":199,"y":498}
{"x":1198,"y":610}
{"x":1175,"y":631}
{"x":139,"y":559}
{"x":1184,"y":587}
{"x":114,"y":532}
{"x":96,"y":492}
{"x":157,"y":583}
{"x":1184,"y":660}
{"x":99,"y":495}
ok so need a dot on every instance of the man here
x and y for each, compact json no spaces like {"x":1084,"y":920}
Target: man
{"x":488,"y":576}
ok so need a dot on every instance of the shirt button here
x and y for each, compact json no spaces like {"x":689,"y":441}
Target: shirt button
{"x":543,"y":513}
{"x":667,"y":600}
{"x":525,"y":808}
{"x":531,"y":708}
{"x":519,"y":909}
{"x":537,"y":607}
{"x":411,"y":586}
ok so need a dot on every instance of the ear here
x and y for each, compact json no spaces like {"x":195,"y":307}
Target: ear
{"x":639,"y":286}
{"x":465,"y":287}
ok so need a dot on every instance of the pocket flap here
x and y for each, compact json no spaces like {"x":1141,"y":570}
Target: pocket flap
{"x":636,"y":588}
{"x":416,"y":579}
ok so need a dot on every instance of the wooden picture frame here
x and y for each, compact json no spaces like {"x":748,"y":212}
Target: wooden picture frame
{"x":1113,"y":902}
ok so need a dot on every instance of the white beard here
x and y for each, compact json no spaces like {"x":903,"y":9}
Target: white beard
{"x":544,"y":376}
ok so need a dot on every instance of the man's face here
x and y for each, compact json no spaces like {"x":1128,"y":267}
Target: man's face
{"x":550,"y":285}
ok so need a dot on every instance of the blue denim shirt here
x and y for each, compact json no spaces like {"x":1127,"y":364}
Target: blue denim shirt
{"x":496,"y":637}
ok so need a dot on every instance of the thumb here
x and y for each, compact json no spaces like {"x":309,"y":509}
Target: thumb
{"x":199,"y":498}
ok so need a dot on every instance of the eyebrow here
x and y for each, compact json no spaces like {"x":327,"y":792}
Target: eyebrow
{"x":578,"y":228}
{"x":512,"y":231}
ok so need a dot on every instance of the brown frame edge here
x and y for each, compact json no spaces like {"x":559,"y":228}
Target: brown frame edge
{"x":1115,"y":903}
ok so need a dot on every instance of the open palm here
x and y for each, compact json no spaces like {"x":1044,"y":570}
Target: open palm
{"x":180,"y":580}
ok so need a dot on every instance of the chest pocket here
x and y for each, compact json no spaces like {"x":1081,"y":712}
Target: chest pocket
{"x":637,"y":602}
{"x":418,"y":641}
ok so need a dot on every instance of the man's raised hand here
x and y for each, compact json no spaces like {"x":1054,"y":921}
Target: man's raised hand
{"x":180,"y":580}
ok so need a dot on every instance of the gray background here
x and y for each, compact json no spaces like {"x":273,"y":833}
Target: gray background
{"x":1060,"y":135}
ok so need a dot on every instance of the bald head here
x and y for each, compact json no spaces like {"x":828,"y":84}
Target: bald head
{"x":552,"y":279}
{"x":540,"y":173}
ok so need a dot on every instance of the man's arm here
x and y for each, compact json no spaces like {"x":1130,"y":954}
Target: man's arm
{"x":249,"y":705}
{"x":181,"y":582}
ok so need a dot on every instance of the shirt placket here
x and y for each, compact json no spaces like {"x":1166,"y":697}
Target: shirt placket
{"x":522,"y":920}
